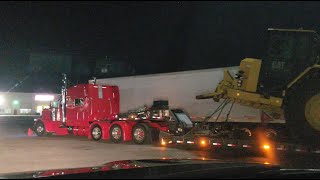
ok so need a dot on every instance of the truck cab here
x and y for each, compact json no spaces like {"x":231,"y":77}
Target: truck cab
{"x":85,"y":103}
{"x":180,"y":122}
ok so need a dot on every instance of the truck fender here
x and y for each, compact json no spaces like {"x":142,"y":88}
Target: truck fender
{"x":306,"y":74}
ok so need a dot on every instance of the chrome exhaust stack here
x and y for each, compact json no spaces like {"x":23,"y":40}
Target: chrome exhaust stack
{"x":63,"y":98}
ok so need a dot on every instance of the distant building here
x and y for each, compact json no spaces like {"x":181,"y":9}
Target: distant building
{"x":113,"y":67}
{"x":25,"y":103}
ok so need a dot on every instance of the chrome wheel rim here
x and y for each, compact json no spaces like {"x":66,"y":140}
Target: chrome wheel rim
{"x":139,"y":134}
{"x":40,"y":129}
{"x":116,"y":133}
{"x":96,"y":133}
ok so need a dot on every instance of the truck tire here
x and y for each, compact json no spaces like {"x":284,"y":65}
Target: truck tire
{"x":96,"y":132}
{"x":40,"y":129}
{"x":116,"y":133}
{"x":302,"y":108}
{"x":141,"y":134}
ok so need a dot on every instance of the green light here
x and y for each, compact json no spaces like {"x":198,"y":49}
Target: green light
{"x":55,"y":104}
{"x":15,"y":102}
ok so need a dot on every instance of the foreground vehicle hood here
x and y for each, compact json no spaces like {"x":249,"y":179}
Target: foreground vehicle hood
{"x":160,"y":168}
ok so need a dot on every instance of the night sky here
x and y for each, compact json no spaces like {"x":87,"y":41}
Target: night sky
{"x":156,"y":36}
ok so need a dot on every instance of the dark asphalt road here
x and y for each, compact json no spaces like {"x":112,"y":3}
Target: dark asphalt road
{"x":294,"y":160}
{"x":17,"y":128}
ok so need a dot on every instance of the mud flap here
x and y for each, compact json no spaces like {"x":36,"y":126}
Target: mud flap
{"x":154,"y":135}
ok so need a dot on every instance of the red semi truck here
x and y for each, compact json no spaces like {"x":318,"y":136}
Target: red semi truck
{"x":93,"y":110}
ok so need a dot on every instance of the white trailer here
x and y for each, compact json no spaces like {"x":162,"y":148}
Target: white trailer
{"x":180,"y":89}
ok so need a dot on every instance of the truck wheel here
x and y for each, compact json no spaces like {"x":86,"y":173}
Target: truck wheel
{"x":96,"y":132}
{"x":40,"y":129}
{"x":116,"y":133}
{"x":302,"y":112}
{"x":140,"y":134}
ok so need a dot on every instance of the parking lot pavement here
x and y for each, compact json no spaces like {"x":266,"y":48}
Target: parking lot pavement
{"x":18,"y":154}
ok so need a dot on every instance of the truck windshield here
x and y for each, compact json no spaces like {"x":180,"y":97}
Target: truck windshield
{"x":184,"y":118}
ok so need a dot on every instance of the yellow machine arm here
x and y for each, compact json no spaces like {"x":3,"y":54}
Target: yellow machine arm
{"x":243,"y":88}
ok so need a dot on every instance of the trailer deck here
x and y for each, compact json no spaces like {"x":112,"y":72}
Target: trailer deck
{"x":260,"y":146}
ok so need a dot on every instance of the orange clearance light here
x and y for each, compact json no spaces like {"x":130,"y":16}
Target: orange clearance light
{"x":266,"y":147}
{"x":163,"y":142}
{"x":203,"y":142}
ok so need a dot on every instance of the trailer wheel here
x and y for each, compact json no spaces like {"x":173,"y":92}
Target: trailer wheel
{"x":40,"y":129}
{"x":96,"y":132}
{"x":116,"y":133}
{"x":140,"y":134}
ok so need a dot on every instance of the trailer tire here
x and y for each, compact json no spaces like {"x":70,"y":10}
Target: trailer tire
{"x":40,"y":129}
{"x":141,"y":134}
{"x":96,"y":132}
{"x":295,"y":112}
{"x":115,"y":136}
